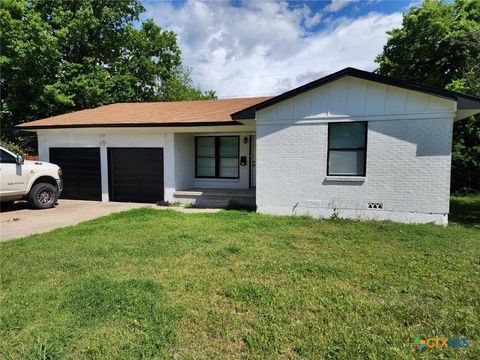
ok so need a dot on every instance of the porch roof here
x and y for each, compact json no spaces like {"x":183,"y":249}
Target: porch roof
{"x":178,"y":113}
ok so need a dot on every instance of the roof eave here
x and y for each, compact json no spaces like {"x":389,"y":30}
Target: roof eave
{"x":147,"y":125}
{"x":468,"y":103}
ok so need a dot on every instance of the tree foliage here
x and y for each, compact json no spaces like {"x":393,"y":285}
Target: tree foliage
{"x":439,"y":45}
{"x":64,"y":55}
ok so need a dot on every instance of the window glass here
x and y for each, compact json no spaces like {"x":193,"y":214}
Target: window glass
{"x":347,"y":135}
{"x":228,"y":147}
{"x":206,"y":167}
{"x":346,"y":162}
{"x":6,"y":158}
{"x":206,"y":146}
{"x":228,"y":167}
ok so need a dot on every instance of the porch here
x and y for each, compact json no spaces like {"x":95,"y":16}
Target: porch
{"x":216,"y":198}
{"x":214,"y":170}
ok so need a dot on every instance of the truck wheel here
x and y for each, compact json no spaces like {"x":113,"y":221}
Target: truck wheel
{"x":43,"y":196}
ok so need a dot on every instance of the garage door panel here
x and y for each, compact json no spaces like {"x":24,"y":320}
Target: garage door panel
{"x":147,"y":185}
{"x":81,"y":172}
{"x":88,"y":182}
{"x":155,"y":171}
{"x":88,"y":167}
{"x":126,"y":178}
{"x":125,"y":170}
{"x":136,"y":174}
{"x":89,"y":195}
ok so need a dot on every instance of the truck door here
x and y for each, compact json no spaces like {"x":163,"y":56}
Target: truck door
{"x":13,"y":177}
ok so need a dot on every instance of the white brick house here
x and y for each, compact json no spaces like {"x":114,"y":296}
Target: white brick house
{"x":353,"y":144}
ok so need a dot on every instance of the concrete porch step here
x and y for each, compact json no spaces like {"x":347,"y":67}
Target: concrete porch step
{"x":250,"y":193}
{"x":216,"y":198}
{"x":213,"y":202}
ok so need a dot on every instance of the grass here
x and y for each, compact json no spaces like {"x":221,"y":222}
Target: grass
{"x":465,"y":210}
{"x":162,"y":284}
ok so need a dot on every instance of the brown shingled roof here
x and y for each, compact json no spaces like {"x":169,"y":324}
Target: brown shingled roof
{"x":178,"y":113}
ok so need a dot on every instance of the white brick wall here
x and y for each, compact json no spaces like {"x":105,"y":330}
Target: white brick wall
{"x":408,"y":153}
{"x":408,"y":170}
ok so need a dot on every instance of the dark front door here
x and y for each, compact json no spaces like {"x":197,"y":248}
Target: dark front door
{"x":81,"y":172}
{"x":136,"y":174}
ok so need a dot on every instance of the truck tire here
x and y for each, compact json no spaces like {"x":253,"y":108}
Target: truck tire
{"x":43,"y":196}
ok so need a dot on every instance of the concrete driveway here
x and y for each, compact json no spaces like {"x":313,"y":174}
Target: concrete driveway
{"x":21,"y":219}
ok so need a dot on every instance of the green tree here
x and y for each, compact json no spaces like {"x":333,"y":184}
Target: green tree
{"x":439,"y":45}
{"x":58,"y":56}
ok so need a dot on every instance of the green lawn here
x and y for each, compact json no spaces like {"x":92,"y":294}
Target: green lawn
{"x":465,"y":210}
{"x":150,"y":283}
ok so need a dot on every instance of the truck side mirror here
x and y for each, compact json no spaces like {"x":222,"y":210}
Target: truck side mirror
{"x":19,"y":159}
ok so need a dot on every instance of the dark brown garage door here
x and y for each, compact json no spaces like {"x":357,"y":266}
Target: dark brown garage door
{"x":136,"y":174}
{"x":81,"y":172}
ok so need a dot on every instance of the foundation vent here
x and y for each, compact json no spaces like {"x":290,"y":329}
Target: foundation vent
{"x":377,"y":206}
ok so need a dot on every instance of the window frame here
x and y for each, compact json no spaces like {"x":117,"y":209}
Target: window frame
{"x":364,"y":148}
{"x":217,"y":157}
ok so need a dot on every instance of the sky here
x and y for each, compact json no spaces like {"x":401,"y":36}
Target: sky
{"x":262,"y":48}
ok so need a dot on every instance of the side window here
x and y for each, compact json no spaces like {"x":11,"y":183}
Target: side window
{"x":347,"y":150}
{"x":6,"y":158}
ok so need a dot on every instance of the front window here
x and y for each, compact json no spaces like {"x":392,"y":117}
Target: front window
{"x":217,"y":157}
{"x":347,"y":149}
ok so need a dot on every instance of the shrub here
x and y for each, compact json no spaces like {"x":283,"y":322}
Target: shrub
{"x":15,"y":148}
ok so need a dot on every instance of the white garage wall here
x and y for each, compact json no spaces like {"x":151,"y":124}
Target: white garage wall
{"x":105,"y":138}
{"x":408,"y":154}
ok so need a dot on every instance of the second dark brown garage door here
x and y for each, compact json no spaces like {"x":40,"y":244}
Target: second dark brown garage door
{"x":136,"y":174}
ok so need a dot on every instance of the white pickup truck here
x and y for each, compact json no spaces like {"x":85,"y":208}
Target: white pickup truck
{"x":38,"y":182}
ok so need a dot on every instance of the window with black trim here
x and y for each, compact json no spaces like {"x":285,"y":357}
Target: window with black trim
{"x":217,"y":157}
{"x":6,"y":158}
{"x":347,"y":148}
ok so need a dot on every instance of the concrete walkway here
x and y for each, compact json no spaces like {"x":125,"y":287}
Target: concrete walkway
{"x":22,"y":220}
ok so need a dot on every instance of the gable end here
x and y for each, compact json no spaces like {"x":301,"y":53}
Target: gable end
{"x":463,"y":101}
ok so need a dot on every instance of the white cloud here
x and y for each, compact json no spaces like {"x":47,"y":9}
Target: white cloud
{"x":264,"y":48}
{"x":336,"y":5}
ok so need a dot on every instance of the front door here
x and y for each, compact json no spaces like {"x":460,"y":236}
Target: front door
{"x":253,"y":159}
